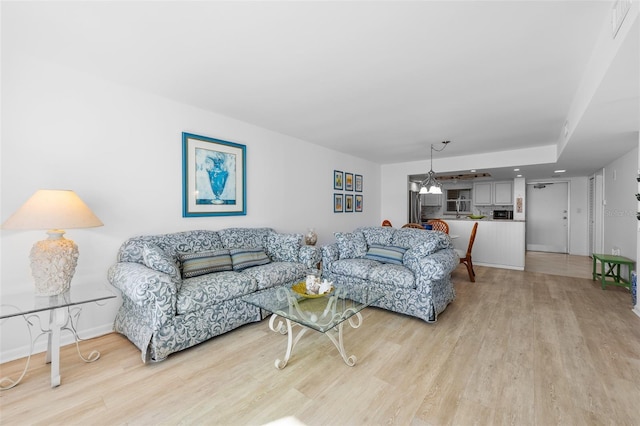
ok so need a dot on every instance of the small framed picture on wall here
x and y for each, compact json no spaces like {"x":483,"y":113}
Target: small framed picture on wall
{"x":358,"y":203}
{"x":338,"y":179}
{"x":348,"y":203}
{"x":358,"y":183}
{"x":338,"y":203}
{"x":348,"y":181}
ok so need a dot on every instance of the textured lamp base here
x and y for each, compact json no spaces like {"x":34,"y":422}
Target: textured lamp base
{"x":53,"y":263}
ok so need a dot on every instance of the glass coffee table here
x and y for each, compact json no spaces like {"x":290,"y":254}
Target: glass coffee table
{"x":64,"y":310}
{"x":325,"y":314}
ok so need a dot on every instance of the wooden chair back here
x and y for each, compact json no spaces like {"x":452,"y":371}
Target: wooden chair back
{"x":439,"y":225}
{"x":467,"y":260}
{"x":413,"y":225}
{"x":386,"y":223}
{"x":472,"y":239}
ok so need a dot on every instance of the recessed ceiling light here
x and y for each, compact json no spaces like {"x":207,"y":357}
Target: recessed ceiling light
{"x":516,"y":170}
{"x":518,"y":175}
{"x":559,"y":171}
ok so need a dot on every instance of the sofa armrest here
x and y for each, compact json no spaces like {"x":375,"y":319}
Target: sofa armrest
{"x":433,"y":267}
{"x":145,"y":287}
{"x":330,"y":254}
{"x":310,"y":256}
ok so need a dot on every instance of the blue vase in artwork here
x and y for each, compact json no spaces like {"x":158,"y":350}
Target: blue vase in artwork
{"x":218,"y":177}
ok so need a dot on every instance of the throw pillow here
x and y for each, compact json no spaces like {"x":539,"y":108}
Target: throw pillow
{"x":351,"y":245}
{"x":157,"y":259}
{"x":386,"y":254}
{"x":283,"y":247}
{"x":205,"y":262}
{"x":243,"y":258}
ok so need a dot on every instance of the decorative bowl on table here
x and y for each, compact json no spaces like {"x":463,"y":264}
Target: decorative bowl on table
{"x":475,"y":216}
{"x":301,"y":289}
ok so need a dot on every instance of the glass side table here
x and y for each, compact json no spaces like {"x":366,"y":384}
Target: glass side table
{"x":64,"y":310}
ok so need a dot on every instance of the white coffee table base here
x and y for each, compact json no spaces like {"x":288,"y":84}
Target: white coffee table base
{"x":335,"y":335}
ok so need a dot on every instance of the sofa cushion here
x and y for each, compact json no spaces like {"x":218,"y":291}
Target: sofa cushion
{"x":276,"y":273}
{"x":187,"y":241}
{"x":351,"y":245}
{"x":393,"y":275}
{"x":358,"y":268}
{"x":377,"y":234}
{"x":243,"y":258}
{"x":436,"y":241}
{"x":157,"y":259}
{"x":283,"y":247}
{"x":244,"y":237}
{"x":206,"y":262}
{"x":385,"y":254}
{"x":206,"y":290}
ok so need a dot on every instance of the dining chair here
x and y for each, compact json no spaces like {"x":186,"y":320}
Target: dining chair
{"x":413,"y":225}
{"x":466,"y":257}
{"x":439,"y":225}
{"x":386,"y":223}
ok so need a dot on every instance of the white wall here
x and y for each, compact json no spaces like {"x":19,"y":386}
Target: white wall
{"x":120,"y":150}
{"x":620,"y":187}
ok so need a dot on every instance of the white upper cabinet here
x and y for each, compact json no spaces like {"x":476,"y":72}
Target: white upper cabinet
{"x":493,"y":193}
{"x":482,"y":193}
{"x":503,"y":193}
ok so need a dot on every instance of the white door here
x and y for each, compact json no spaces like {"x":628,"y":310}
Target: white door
{"x":548,"y":217}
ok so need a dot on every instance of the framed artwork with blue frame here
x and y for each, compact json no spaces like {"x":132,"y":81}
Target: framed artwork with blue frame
{"x":358,"y":183}
{"x":358,"y":203}
{"x":348,"y":181}
{"x":338,"y":179}
{"x":338,"y":203}
{"x":213,"y":177}
{"x":348,"y":203}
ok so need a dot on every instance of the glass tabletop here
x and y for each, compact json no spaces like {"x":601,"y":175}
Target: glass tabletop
{"x":28,"y":303}
{"x":319,"y":313}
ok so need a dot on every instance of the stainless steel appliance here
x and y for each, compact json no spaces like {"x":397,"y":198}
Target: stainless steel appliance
{"x":503,"y":214}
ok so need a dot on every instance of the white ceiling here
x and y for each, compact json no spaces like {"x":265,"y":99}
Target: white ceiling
{"x":377,"y":80}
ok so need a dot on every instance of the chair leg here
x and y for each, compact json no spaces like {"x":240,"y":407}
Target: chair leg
{"x":472,"y":274}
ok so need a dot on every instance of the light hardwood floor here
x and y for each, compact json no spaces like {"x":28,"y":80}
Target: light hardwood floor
{"x":522,"y":348}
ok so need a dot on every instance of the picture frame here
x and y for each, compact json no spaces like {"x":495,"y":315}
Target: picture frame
{"x":338,"y":179}
{"x":348,"y":181}
{"x":348,"y":203}
{"x":338,"y":204}
{"x":213,"y":177}
{"x":358,"y":183}
{"x":358,"y":203}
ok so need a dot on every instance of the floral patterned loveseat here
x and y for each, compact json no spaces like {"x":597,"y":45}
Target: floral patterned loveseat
{"x":411,"y":266}
{"x":181,"y":289}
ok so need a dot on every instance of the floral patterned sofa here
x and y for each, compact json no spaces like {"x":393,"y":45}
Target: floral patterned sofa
{"x":411,"y":266}
{"x":181,"y":289}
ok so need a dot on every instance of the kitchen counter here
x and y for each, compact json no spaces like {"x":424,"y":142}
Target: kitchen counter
{"x":499,"y":243}
{"x":468,"y":219}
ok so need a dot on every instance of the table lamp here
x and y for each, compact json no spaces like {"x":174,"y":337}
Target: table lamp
{"x":54,"y":260}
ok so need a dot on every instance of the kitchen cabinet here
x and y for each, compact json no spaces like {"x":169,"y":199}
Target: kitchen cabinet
{"x":493,"y":193}
{"x":503,"y":193}
{"x":431,"y":199}
{"x":482,"y":193}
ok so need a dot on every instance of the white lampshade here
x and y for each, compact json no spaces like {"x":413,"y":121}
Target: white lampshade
{"x":54,"y":260}
{"x":53,"y":209}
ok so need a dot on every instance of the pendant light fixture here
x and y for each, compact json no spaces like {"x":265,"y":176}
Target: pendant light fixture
{"x":431,"y":185}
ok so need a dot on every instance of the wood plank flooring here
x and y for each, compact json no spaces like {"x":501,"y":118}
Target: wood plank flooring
{"x":522,"y":348}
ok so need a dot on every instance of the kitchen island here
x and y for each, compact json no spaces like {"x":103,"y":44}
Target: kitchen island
{"x":498,"y":243}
